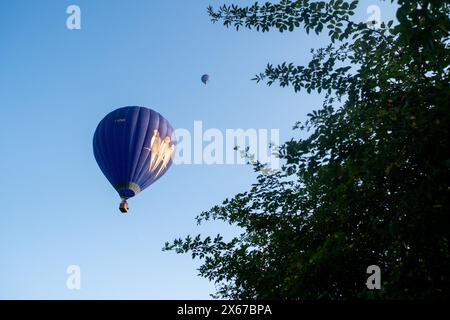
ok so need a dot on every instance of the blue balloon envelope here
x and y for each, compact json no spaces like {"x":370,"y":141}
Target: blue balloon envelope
{"x":205,"y":78}
{"x":133,"y":147}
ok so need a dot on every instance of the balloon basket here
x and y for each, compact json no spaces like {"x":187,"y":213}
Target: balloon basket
{"x":123,"y":207}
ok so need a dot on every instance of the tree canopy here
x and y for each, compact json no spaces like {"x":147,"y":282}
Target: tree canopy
{"x":370,"y":183}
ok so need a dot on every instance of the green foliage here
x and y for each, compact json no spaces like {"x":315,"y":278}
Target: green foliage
{"x":370,"y":185}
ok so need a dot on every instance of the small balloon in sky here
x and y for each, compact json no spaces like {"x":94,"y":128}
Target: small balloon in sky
{"x":205,"y":78}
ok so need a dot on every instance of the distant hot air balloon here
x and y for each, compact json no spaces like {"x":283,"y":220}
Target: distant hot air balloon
{"x":133,"y":147}
{"x":205,"y":78}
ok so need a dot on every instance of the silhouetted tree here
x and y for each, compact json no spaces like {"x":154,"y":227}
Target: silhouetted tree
{"x":370,"y":185}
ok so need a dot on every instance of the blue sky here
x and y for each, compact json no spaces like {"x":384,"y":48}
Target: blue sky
{"x":57,"y":84}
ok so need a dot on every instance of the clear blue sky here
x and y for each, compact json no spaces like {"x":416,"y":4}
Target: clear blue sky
{"x":56,"y":84}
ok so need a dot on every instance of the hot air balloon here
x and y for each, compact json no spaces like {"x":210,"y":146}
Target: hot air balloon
{"x":133,"y":147}
{"x":205,"y":78}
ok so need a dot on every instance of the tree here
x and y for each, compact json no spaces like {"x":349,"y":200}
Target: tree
{"x":369,"y":186}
